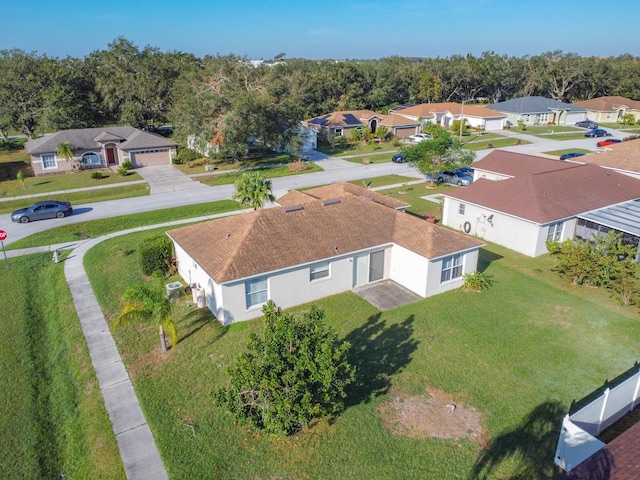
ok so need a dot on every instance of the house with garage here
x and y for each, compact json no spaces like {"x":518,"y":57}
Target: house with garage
{"x":341,"y":123}
{"x":318,"y":243}
{"x":610,"y":109}
{"x":529,"y":206}
{"x":536,"y":110}
{"x":99,"y":147}
{"x":444,"y":114}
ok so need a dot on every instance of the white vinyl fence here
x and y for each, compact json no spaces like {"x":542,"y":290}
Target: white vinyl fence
{"x":578,"y":440}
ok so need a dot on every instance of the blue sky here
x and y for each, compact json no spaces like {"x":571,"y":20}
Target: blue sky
{"x":354,"y":29}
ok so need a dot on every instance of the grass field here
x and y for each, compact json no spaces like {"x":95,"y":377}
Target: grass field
{"x":495,"y":143}
{"x":518,"y":353}
{"x":567,"y":150}
{"x":51,"y":411}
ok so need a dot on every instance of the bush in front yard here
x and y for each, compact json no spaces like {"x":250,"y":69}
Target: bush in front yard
{"x":156,"y":254}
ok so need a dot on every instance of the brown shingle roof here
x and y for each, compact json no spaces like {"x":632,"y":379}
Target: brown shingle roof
{"x":553,"y":195}
{"x":338,"y":190}
{"x":343,"y":118}
{"x":608,"y":103}
{"x":518,"y":164}
{"x":621,"y":156}
{"x":271,"y":239}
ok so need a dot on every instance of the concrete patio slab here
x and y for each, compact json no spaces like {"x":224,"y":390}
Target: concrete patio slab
{"x":386,"y":294}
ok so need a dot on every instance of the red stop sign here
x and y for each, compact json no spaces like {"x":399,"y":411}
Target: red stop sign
{"x":3,"y":235}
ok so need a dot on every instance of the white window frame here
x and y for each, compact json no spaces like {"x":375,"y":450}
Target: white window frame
{"x":258,"y":296}
{"x":46,"y":157}
{"x":452,"y":268}
{"x":461,"y":208}
{"x":338,"y":132}
{"x":554,"y":234}
{"x":318,"y":271}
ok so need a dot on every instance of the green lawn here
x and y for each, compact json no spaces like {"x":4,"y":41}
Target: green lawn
{"x":262,"y":161}
{"x":52,"y":414}
{"x":495,"y":143}
{"x":518,"y":353}
{"x":359,"y":149}
{"x":281,"y":171}
{"x":557,"y":153}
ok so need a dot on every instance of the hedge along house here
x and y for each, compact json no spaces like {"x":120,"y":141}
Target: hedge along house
{"x":320,"y":243}
{"x":99,"y":147}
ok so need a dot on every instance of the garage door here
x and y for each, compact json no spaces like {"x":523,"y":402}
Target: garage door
{"x":404,"y":132}
{"x":151,"y":158}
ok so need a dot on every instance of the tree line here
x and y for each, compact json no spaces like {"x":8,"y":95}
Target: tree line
{"x":229,"y":99}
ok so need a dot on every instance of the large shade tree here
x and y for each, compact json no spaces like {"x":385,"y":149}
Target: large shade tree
{"x":298,"y":371}
{"x":148,"y":303}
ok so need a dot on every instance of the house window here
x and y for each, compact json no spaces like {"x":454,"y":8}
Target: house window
{"x":91,"y":159}
{"x":461,"y":208}
{"x":338,"y":132}
{"x":555,"y":232}
{"x":318,"y":271}
{"x":451,"y":268}
{"x":49,"y":161}
{"x":255,"y":291}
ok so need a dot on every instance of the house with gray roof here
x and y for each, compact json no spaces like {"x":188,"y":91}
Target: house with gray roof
{"x":99,"y":147}
{"x":547,"y":200}
{"x":341,"y":123}
{"x":536,"y":110}
{"x":319,"y":243}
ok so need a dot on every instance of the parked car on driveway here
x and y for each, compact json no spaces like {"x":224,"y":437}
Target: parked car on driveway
{"x":587,"y":124}
{"x":399,"y":158}
{"x":607,"y":142}
{"x":42,"y":210}
{"x":597,"y":132}
{"x":466,"y":170}
{"x":453,"y":178}
{"x":420,"y":137}
{"x":568,"y":155}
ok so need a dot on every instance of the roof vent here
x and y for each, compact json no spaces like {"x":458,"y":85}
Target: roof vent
{"x":293,"y":208}
{"x":366,"y":197}
{"x":333,"y":201}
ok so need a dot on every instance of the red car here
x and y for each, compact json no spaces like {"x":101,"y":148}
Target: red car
{"x":607,"y":142}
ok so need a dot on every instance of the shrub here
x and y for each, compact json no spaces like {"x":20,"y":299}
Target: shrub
{"x":127,"y":164}
{"x":156,"y":254}
{"x":123,"y":171}
{"x":186,"y":156}
{"x":477,"y":281}
{"x":13,"y":144}
{"x":97,"y":175}
{"x":298,"y":166}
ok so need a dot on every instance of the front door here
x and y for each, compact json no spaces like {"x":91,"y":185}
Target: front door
{"x":111,"y":155}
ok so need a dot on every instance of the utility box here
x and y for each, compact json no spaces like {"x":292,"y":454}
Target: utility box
{"x":174,"y":289}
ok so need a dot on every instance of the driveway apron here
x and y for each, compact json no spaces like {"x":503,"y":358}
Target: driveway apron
{"x":167,"y":178}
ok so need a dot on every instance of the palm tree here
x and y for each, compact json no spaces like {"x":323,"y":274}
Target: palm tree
{"x":147,"y":303}
{"x":253,"y":189}
{"x":65,"y":150}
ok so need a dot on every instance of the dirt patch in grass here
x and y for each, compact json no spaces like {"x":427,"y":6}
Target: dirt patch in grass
{"x":436,"y":414}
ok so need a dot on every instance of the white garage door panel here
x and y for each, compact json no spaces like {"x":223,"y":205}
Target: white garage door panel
{"x":151,"y":159}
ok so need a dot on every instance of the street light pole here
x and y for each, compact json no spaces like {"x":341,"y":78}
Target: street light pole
{"x":462,"y":118}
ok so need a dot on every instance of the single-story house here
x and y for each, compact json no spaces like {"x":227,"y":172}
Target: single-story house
{"x":341,"y":123}
{"x":622,"y":157}
{"x":502,"y":165}
{"x":319,"y":243}
{"x":610,"y":109}
{"x":445,"y":113}
{"x":100,"y":147}
{"x":525,"y":211}
{"x":536,"y":110}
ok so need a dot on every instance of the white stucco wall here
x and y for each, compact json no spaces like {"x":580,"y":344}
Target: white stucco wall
{"x":479,"y":173}
{"x":409,"y":269}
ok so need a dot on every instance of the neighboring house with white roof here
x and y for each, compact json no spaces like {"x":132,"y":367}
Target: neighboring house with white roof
{"x":536,"y":110}
{"x":538,"y":201}
{"x":444,"y":114}
{"x":610,"y":109}
{"x":321,"y":242}
{"x":100,"y":147}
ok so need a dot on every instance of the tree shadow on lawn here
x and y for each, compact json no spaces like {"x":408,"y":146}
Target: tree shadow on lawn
{"x":378,"y":351}
{"x":530,"y":446}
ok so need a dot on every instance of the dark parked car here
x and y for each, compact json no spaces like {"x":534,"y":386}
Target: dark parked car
{"x":42,"y":210}
{"x":607,"y":142}
{"x":465,"y":171}
{"x":597,"y":132}
{"x":587,"y":124}
{"x":399,"y":158}
{"x":454,"y":178}
{"x":566,"y":156}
